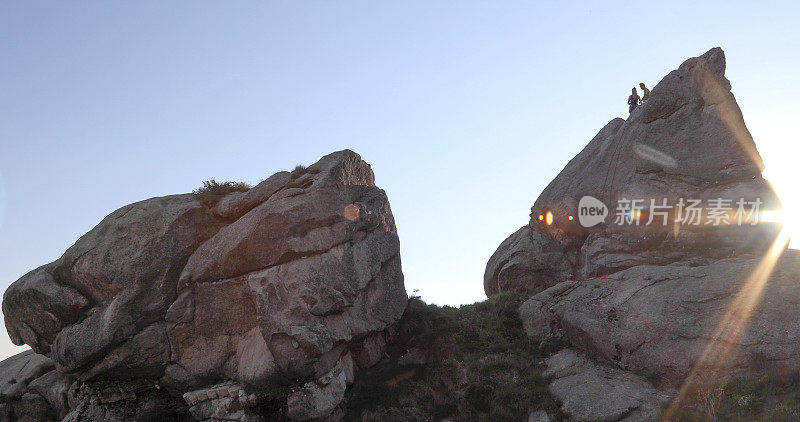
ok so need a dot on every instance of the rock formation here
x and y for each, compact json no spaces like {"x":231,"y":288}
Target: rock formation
{"x":655,"y":312}
{"x":270,"y":303}
{"x":689,"y":141}
{"x":209,"y":308}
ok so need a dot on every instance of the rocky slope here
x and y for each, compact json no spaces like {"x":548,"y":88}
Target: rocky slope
{"x":173,"y":306}
{"x":658,"y":318}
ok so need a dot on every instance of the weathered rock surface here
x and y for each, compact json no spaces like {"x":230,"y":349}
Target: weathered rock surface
{"x":528,"y":259}
{"x":31,"y":389}
{"x":267,"y":288}
{"x":688,"y":141}
{"x":592,"y":392}
{"x":123,"y":400}
{"x":318,"y":398}
{"x":226,"y":401}
{"x":657,"y":321}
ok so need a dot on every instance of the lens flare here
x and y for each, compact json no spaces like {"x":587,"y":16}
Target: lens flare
{"x":791,"y":226}
{"x":730,"y":328}
{"x":776,"y":216}
{"x":654,"y":155}
{"x":548,"y":218}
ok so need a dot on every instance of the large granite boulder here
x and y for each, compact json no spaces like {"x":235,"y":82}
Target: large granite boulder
{"x":654,"y":314}
{"x":689,"y":142}
{"x":270,"y":288}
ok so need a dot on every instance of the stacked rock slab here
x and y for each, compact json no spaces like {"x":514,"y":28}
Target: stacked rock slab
{"x":688,"y":141}
{"x":267,"y":289}
{"x":31,"y":389}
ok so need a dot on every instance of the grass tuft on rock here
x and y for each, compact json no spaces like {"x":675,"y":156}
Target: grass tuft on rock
{"x":212,"y":191}
{"x":298,"y":171}
{"x":296,"y":174}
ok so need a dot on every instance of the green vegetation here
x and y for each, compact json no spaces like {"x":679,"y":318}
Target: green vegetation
{"x":470,"y":363}
{"x":772,"y":397}
{"x":212,"y":191}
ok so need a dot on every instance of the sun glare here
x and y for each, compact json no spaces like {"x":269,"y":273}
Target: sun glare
{"x":791,"y":227}
{"x":789,"y":216}
{"x":780,"y":157}
{"x":731,"y":327}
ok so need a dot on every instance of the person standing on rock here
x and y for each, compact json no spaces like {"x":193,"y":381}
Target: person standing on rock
{"x":645,"y":93}
{"x":633,"y":100}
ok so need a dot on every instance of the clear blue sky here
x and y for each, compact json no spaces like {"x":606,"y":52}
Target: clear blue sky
{"x":465,"y":109}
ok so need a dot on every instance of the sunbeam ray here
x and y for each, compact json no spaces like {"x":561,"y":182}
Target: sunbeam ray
{"x":730,"y":328}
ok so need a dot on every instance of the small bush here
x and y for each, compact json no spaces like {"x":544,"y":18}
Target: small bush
{"x":479,"y":365}
{"x":298,"y":171}
{"x":212,"y":191}
{"x":773,"y":396}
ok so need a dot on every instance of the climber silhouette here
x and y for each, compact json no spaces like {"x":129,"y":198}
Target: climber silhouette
{"x":645,"y":93}
{"x":633,"y":100}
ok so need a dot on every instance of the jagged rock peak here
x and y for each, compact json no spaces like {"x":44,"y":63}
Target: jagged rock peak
{"x":689,"y":140}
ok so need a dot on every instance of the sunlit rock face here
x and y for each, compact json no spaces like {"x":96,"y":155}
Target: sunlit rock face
{"x":690,"y":142}
{"x":276,"y":286}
